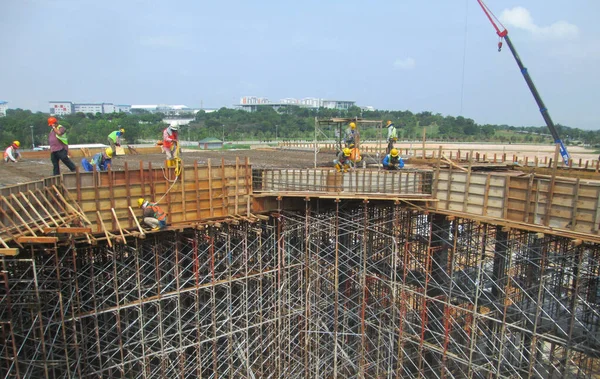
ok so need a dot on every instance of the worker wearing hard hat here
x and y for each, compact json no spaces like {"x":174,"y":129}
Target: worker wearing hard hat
{"x":393,"y":161}
{"x":170,"y":140}
{"x":154,"y":217}
{"x":59,"y":146}
{"x":114,"y":140}
{"x":343,"y":161}
{"x":11,"y":154}
{"x":100,"y":160}
{"x":352,"y":135}
{"x":392,"y":135}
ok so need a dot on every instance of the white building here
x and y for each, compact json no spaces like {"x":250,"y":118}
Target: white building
{"x":60,"y":108}
{"x":3,"y":108}
{"x":252,"y":103}
{"x":170,"y":110}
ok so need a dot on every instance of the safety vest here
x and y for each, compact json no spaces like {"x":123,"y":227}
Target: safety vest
{"x":168,"y":139}
{"x":158,"y":213}
{"x":113,"y":136}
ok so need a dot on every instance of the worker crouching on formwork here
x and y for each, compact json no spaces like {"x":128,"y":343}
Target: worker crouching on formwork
{"x":11,"y":154}
{"x":392,"y":161}
{"x":343,"y":161}
{"x":100,"y":160}
{"x":153,"y":215}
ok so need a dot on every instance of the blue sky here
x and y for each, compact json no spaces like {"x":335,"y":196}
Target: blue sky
{"x":435,"y":55}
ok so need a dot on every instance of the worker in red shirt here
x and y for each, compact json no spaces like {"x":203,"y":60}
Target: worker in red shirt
{"x":11,"y":154}
{"x":170,"y":141}
{"x":59,"y":147}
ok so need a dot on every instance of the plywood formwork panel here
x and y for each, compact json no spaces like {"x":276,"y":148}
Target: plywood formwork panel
{"x":554,"y":202}
{"x":199,"y":193}
{"x":353,"y":181}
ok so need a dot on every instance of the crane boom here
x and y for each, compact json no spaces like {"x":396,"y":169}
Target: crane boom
{"x":503,"y":34}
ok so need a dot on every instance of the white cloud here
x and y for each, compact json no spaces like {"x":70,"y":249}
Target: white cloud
{"x":520,"y":18}
{"x":404,"y":63}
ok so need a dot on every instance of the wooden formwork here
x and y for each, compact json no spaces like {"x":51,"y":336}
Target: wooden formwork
{"x":550,"y":201}
{"x":400,"y":182}
{"x":199,"y":193}
{"x":33,"y":212}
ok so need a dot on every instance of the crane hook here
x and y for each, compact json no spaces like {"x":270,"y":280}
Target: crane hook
{"x":500,"y":45}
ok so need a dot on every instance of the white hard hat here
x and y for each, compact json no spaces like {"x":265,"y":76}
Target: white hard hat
{"x":175,"y":127}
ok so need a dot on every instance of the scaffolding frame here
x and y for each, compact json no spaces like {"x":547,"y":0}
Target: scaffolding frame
{"x":340,"y":289}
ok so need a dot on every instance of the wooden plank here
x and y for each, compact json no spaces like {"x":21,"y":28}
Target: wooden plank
{"x":70,"y":230}
{"x":506,"y":191}
{"x":32,"y":239}
{"x":210,"y":188}
{"x":486,"y":194}
{"x":468,"y":181}
{"x":9,"y":252}
{"x":197,"y":187}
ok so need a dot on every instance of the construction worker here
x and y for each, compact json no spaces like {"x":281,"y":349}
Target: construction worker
{"x":11,"y":154}
{"x":154,"y":217}
{"x":170,"y":141}
{"x":59,"y":146}
{"x":343,"y":161}
{"x":352,"y":135}
{"x":392,"y":161}
{"x":100,"y":160}
{"x":354,"y":154}
{"x":114,"y":140}
{"x":392,"y":136}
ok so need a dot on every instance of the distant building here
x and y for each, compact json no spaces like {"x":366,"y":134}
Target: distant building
{"x":3,"y":108}
{"x":252,"y":103}
{"x":59,"y":108}
{"x":210,"y":144}
{"x":170,"y":110}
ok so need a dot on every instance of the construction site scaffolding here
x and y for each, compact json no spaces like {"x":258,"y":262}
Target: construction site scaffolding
{"x":341,"y":289}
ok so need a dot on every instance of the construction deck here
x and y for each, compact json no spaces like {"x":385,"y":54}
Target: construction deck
{"x":447,"y":272}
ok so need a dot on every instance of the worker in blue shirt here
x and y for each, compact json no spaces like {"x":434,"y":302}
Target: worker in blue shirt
{"x":392,"y":161}
{"x":100,"y":160}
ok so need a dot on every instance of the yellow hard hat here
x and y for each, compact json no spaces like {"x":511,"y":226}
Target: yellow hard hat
{"x":352,"y":125}
{"x":17,"y":143}
{"x":140,"y":202}
{"x":394,"y":152}
{"x":346,"y":152}
{"x":122,"y":130}
{"x":108,"y":152}
{"x":389,"y":122}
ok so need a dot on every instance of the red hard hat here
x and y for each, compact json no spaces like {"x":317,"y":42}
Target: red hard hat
{"x":52,"y":121}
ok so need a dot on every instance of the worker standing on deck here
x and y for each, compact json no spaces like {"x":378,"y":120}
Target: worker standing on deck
{"x":101,"y":160}
{"x":170,"y":141}
{"x":59,"y":146}
{"x":11,"y":154}
{"x":153,"y":215}
{"x":343,"y":161}
{"x":392,"y":136}
{"x":114,"y":140}
{"x":352,"y":136}
{"x":392,"y":161}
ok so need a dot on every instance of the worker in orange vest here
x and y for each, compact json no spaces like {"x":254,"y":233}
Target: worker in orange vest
{"x":154,"y":217}
{"x":11,"y":154}
{"x":170,"y":141}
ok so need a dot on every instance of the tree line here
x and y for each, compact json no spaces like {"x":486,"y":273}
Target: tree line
{"x":287,"y":123}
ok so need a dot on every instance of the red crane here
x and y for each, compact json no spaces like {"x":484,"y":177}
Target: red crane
{"x":503,"y":34}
